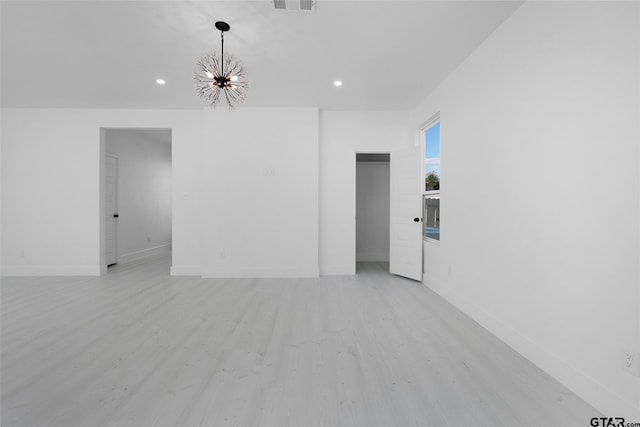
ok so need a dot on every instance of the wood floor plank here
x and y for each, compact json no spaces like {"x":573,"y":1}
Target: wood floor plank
{"x":139,"y":348}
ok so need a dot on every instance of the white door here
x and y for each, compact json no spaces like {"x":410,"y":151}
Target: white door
{"x":111,"y":209}
{"x":405,"y":255}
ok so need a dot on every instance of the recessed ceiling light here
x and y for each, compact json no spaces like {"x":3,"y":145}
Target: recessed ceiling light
{"x":337,"y":83}
{"x":160,"y":81}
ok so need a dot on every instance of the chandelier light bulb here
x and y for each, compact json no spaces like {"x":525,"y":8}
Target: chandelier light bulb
{"x":209,"y":74}
{"x":234,"y":78}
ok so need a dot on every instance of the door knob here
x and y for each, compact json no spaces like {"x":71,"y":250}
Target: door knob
{"x":416,"y":219}
{"x":116,"y":216}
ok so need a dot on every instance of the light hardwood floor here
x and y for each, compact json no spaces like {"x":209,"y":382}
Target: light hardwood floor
{"x":140,"y":348}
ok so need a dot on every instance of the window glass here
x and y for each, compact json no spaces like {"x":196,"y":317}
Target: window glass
{"x":432,"y":158}
{"x":432,"y":217}
{"x":431,"y":207}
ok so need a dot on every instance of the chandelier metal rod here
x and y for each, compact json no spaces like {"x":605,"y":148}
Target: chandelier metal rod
{"x":222,"y":55}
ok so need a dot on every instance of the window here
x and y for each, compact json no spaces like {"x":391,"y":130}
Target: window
{"x":431,"y":202}
{"x":432,"y":217}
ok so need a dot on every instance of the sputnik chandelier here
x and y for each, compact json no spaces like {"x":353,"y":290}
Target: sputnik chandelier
{"x":221,"y":78}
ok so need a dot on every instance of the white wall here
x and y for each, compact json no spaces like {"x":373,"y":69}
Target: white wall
{"x":144,"y":191}
{"x":51,"y":187}
{"x":260,"y":192}
{"x":372,"y":211}
{"x":540,"y":190}
{"x":342,"y":134}
{"x":241,"y":145}
{"x":43,"y":149}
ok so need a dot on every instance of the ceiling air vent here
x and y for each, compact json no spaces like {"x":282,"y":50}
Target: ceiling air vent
{"x":295,"y":5}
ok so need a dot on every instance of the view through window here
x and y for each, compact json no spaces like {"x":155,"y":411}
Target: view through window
{"x":431,"y":203}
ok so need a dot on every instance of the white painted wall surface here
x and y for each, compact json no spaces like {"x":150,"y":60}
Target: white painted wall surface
{"x":144,"y":191}
{"x":51,"y":185}
{"x":540,"y":190}
{"x":342,"y":134}
{"x":372,"y":211}
{"x":260,"y":192}
{"x":48,"y":196}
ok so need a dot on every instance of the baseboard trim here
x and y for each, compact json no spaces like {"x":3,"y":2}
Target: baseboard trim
{"x":595,"y":393}
{"x":219,"y":273}
{"x":210,"y":272}
{"x":164,"y":249}
{"x":49,"y":270}
{"x":186,"y":270}
{"x":339,"y":270}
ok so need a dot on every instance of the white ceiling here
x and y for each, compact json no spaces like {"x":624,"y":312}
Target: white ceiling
{"x":108,"y":54}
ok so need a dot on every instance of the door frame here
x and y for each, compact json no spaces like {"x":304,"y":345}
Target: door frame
{"x":362,"y":150}
{"x":117,"y":208}
{"x":102,"y":217}
{"x":102,"y":155}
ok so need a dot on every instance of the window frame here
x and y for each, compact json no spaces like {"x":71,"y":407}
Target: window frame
{"x":430,"y":194}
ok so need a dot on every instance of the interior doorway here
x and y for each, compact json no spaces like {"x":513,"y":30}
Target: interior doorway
{"x":111,"y":209}
{"x":136,"y":192}
{"x":372,"y":211}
